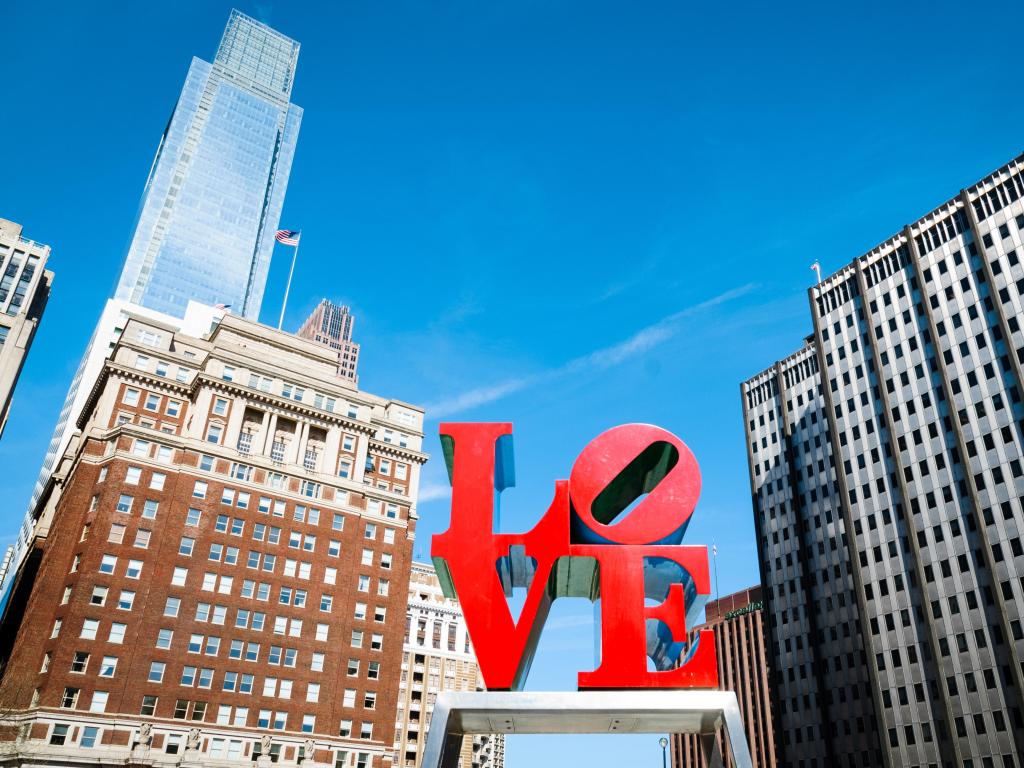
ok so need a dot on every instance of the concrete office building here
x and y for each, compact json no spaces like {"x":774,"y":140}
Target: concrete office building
{"x":438,"y":657}
{"x":206,"y":222}
{"x":331,"y":325}
{"x":225,"y":576}
{"x":737,"y":621}
{"x":24,"y":290}
{"x":886,"y":476}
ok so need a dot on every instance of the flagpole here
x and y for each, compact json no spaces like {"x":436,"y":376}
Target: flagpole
{"x":714,"y":550}
{"x":288,"y":286}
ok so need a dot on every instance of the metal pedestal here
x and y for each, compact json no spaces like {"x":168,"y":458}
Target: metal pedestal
{"x":669,"y":711}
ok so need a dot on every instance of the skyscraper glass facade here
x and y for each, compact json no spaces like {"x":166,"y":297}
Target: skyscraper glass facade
{"x":212,"y":202}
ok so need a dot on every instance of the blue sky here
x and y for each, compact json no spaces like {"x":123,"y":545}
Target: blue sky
{"x":566,"y":215}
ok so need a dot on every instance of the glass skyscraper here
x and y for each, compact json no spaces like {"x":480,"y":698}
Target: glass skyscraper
{"x":212,"y":202}
{"x":206,"y":222}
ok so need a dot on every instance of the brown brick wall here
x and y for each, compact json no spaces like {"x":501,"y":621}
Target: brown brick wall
{"x":144,"y":621}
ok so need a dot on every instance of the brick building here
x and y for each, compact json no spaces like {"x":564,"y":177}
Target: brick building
{"x":232,"y":523}
{"x":438,"y":657}
{"x":738,"y":624}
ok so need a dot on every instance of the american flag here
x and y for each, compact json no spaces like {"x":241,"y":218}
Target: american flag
{"x":222,"y":306}
{"x":288,"y":236}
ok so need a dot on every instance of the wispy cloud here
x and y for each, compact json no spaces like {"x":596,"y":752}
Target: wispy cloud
{"x":600,"y":359}
{"x":433,"y":492}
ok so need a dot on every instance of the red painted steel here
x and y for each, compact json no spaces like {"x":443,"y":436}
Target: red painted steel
{"x":583,"y":546}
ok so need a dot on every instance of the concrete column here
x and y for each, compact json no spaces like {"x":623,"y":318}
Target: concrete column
{"x":261,"y":439}
{"x":332,"y":446}
{"x":271,"y":431}
{"x":236,"y":416}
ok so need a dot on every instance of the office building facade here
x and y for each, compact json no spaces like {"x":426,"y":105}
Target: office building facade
{"x":212,"y":202}
{"x":437,"y":657}
{"x":331,"y":325}
{"x":885,"y":463}
{"x":738,"y":623}
{"x":24,"y":290}
{"x":226,"y":573}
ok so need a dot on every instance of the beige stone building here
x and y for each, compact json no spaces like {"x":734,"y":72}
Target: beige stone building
{"x":24,"y":290}
{"x":438,"y":657}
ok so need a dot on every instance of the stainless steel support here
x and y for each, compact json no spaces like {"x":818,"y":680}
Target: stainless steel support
{"x":675,"y":711}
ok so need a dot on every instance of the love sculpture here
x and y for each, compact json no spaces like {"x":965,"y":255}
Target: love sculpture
{"x":612,"y":534}
{"x":584,"y":546}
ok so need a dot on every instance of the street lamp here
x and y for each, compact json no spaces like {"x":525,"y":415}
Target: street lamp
{"x":664,"y":746}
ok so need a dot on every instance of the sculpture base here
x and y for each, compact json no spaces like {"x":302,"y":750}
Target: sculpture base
{"x":635,"y":711}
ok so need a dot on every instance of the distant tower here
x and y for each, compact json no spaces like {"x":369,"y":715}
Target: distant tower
{"x":331,"y":325}
{"x":24,"y":290}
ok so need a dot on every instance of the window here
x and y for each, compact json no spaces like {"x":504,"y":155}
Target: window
{"x":179,"y":576}
{"x":90,"y":734}
{"x":108,"y":666}
{"x":132,"y":477}
{"x":142,"y":537}
{"x":156,"y":671}
{"x":220,"y":406}
{"x":316,"y":663}
{"x":376,"y":642}
{"x":80,"y":662}
{"x":334,"y":548}
{"x":56,"y":627}
{"x":134,"y":569}
{"x":164,"y":638}
{"x":369,"y":700}
{"x":116,"y":536}
{"x":152,"y":402}
{"x":206,"y":463}
{"x":322,"y":631}
{"x":148,"y":708}
{"x":164,"y":454}
{"x":124,"y":503}
{"x":172,"y":606}
{"x":366,"y":731}
{"x":150,"y":508}
{"x":173,"y":408}
{"x":313,"y":693}
{"x":117,"y":631}
{"x":131,"y":397}
{"x":60,"y":732}
{"x":308,"y":723}
{"x":188,"y":676}
{"x":214,"y":432}
{"x":199,"y":491}
{"x":370,"y":532}
{"x":346,"y":728}
{"x":186,"y":546}
{"x":70,"y":698}
{"x":126,"y":600}
{"x":89,"y":629}
{"x":349,"y":698}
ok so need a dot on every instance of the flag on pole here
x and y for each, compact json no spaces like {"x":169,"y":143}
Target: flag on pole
{"x":222,"y":306}
{"x":288,"y":236}
{"x":816,"y":268}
